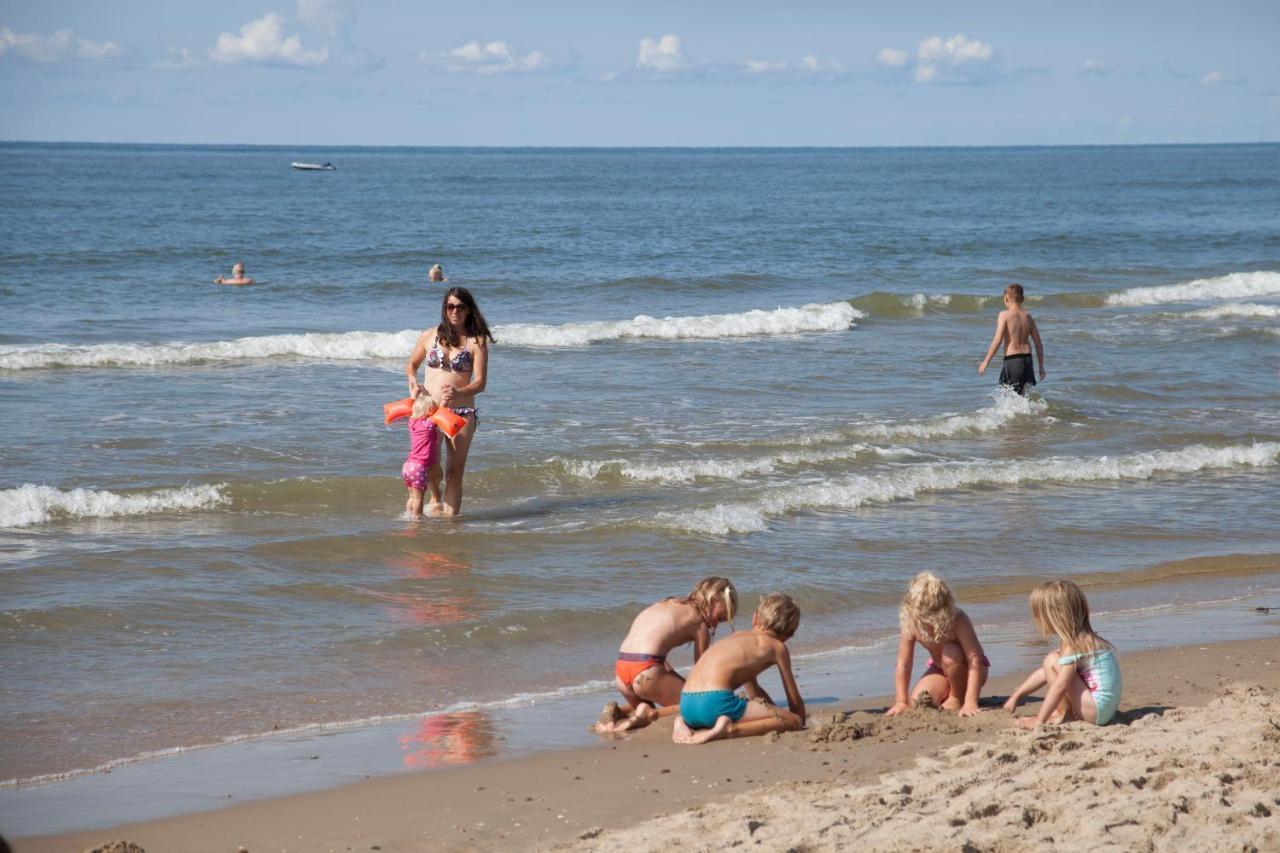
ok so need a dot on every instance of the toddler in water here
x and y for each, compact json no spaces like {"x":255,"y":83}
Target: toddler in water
{"x":710,"y":710}
{"x":1083,"y":675}
{"x":642,"y":673}
{"x":957,"y":669}
{"x":424,"y":451}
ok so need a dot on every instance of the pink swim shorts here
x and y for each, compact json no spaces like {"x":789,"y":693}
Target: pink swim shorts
{"x":414,"y":473}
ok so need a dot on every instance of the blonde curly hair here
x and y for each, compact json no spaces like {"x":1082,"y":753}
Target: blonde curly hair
{"x":928,"y":609}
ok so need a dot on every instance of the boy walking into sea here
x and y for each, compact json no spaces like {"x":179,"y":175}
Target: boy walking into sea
{"x":710,"y":710}
{"x":1015,"y":329}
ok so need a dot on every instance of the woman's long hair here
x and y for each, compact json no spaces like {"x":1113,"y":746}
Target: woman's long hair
{"x":475,"y":326}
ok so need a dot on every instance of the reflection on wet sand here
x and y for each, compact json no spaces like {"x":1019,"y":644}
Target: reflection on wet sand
{"x":422,"y":606}
{"x":457,"y":738}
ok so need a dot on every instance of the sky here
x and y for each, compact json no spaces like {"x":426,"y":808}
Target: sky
{"x":655,"y":73}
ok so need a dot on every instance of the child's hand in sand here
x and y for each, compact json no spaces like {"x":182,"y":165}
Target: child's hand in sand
{"x":1011,"y":704}
{"x":968,"y":711}
{"x":897,"y":709}
{"x":1028,"y":723}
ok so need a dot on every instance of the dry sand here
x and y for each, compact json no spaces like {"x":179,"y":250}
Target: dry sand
{"x":1193,"y":764}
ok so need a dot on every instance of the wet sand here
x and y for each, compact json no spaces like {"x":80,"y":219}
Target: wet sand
{"x":1192,"y":716}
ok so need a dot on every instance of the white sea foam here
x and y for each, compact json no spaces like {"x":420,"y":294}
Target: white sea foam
{"x":1236,"y":309}
{"x":31,"y":504}
{"x":827,"y":317}
{"x":1007,"y":408}
{"x":328,"y":346}
{"x":687,"y":471}
{"x":1236,"y":285}
{"x":853,"y":492}
{"x":359,"y":346}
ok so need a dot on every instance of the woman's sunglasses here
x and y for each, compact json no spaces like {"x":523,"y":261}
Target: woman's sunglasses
{"x":455,"y":306}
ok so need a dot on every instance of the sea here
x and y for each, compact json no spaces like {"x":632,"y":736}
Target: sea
{"x":753,"y":363}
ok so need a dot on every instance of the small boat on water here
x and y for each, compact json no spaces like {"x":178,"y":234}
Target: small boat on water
{"x":315,"y":167}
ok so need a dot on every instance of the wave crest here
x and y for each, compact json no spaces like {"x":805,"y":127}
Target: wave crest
{"x":359,"y":346}
{"x":1236,"y":285}
{"x":854,"y":492}
{"x":827,"y":317}
{"x":31,"y":504}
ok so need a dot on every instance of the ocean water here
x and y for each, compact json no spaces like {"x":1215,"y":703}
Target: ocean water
{"x":753,"y":363}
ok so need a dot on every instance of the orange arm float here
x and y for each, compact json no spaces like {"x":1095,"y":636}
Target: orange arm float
{"x":447,"y":420}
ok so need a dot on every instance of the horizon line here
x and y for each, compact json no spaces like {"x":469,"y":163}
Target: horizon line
{"x":603,"y":147}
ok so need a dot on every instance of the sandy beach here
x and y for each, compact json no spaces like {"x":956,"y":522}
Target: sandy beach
{"x":1192,"y":764}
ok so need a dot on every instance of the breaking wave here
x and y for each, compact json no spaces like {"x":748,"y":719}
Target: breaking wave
{"x":1236,"y":285}
{"x":359,"y":346}
{"x":858,"y":491}
{"x":31,"y":504}
{"x":1235,"y":309}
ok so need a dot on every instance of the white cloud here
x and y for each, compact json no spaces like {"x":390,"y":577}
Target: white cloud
{"x":893,"y":58}
{"x":1096,"y":68}
{"x":261,"y":42}
{"x":814,"y":65}
{"x":495,"y":57}
{"x":1213,"y":78}
{"x":330,"y":17}
{"x":64,"y":44}
{"x":806,"y":66}
{"x":663,"y":54}
{"x":958,"y":59}
{"x":765,"y":66}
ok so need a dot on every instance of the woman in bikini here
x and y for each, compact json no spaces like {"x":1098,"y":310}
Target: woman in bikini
{"x":457,"y":357}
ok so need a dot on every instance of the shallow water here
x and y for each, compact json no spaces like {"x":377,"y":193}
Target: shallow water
{"x":759,"y":364}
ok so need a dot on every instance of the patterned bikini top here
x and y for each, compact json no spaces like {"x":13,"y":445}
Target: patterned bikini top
{"x":438,"y":358}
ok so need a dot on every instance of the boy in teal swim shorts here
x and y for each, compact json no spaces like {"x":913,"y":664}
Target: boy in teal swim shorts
{"x":710,"y":710}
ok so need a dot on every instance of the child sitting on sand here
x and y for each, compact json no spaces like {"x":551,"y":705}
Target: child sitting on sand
{"x":957,"y":668}
{"x":1083,"y":675}
{"x":710,"y":710}
{"x":424,"y":451}
{"x":642,"y":673}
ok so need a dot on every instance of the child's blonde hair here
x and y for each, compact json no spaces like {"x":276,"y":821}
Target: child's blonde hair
{"x":928,"y":609}
{"x":424,"y":405}
{"x":708,"y":591}
{"x":1060,"y":609}
{"x":778,"y":615}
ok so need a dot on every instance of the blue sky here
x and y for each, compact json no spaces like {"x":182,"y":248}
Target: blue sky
{"x":807,"y":72}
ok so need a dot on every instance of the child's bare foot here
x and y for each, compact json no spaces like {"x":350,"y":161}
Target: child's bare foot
{"x":952,"y":704}
{"x":608,"y":717}
{"x":643,"y":715}
{"x":924,"y":701}
{"x":435,"y":508}
{"x":719,"y":730}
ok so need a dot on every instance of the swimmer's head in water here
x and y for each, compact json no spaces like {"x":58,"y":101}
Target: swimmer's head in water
{"x":238,"y":270}
{"x":1014,"y":293}
{"x":928,"y":609}
{"x":436,"y":273}
{"x":714,"y":596}
{"x":778,"y":615}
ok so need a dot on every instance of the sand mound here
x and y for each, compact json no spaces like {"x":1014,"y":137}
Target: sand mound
{"x":1160,"y":779}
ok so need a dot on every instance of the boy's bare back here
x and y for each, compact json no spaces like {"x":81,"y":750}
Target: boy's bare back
{"x":735,"y":660}
{"x":1018,"y":327}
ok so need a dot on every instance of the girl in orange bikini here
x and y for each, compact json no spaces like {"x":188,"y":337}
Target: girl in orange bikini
{"x":642,"y":673}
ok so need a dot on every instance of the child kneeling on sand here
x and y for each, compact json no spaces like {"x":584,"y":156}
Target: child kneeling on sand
{"x":709,"y":709}
{"x":1083,"y":674}
{"x":957,"y":668}
{"x":643,"y":675}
